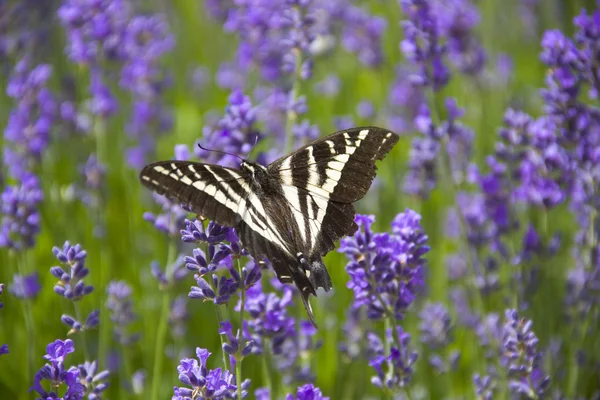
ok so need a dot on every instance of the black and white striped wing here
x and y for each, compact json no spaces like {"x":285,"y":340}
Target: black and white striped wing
{"x":211,"y":191}
{"x":324,"y":178}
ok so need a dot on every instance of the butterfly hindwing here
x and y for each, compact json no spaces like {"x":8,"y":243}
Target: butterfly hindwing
{"x":212,"y":191}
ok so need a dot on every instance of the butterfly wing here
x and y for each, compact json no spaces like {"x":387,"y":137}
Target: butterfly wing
{"x":324,"y":178}
{"x":212,"y":191}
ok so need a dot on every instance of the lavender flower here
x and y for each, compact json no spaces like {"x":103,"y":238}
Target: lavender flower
{"x":521,"y":358}
{"x":422,"y":43}
{"x":26,"y":286}
{"x":425,"y":150}
{"x":122,"y":313}
{"x":56,"y":373}
{"x":91,"y":379}
{"x":4,"y":349}
{"x":485,"y":386}
{"x":94,"y":173}
{"x":362,"y":34}
{"x":307,"y":392}
{"x":386,"y":270}
{"x":268,"y":320}
{"x":234,"y":347}
{"x":400,"y":361}
{"x":262,"y":394}
{"x":170,"y":220}
{"x":146,"y":39}
{"x":71,"y":285}
{"x":173,"y":272}
{"x":1,"y":290}
{"x":234,"y":133}
{"x":92,"y":321}
{"x":210,"y":384}
{"x":95,"y":30}
{"x":20,"y":217}
{"x":80,"y":381}
{"x":435,"y":326}
{"x":29,"y":123}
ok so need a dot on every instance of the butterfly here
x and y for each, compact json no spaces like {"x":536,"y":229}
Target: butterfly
{"x":292,"y":211}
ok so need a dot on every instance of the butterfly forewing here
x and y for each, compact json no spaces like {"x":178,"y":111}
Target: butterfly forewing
{"x":212,"y":191}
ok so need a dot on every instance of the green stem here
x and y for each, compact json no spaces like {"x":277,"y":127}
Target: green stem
{"x":221,"y":319}
{"x":238,"y":365}
{"x":159,"y":348}
{"x":27,"y":314}
{"x":83,"y":332}
{"x":265,"y":367}
{"x":238,"y":377}
{"x":105,"y":268}
{"x":161,"y":334}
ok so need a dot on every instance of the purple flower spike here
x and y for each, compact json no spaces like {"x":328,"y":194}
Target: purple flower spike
{"x":29,"y":123}
{"x":386,"y":270}
{"x":122,"y":312}
{"x":401,"y":360}
{"x":71,"y":285}
{"x":307,"y":392}
{"x":436,"y":325}
{"x":521,"y":358}
{"x":216,"y":383}
{"x":25,"y":287}
{"x":232,"y":346}
{"x":20,"y":222}
{"x":485,"y":386}
{"x":92,"y":321}
{"x":92,"y":380}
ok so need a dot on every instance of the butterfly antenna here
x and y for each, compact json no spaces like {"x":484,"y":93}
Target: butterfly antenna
{"x":221,"y":151}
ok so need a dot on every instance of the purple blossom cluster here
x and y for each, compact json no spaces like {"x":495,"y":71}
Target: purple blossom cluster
{"x":521,"y":357}
{"x":71,"y":286}
{"x":107,"y":31}
{"x":75,"y":382}
{"x":386,"y":274}
{"x":122,"y":313}
{"x":26,"y":137}
{"x":386,"y":270}
{"x":25,"y":286}
{"x":436,"y":34}
{"x":200,"y":382}
{"x":222,"y":246}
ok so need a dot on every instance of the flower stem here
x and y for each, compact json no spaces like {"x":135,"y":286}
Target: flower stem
{"x":221,"y":319}
{"x":83,"y":332}
{"x":161,"y":334}
{"x":265,"y":367}
{"x":26,"y":305}
{"x":238,"y":365}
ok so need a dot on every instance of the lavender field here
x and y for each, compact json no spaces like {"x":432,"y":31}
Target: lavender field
{"x":475,"y":270}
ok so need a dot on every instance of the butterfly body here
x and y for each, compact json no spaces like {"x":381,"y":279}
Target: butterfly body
{"x":293,"y":210}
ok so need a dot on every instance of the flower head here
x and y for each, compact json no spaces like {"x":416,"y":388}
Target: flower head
{"x":122,"y":312}
{"x":307,"y":392}
{"x":210,"y":384}
{"x":26,"y":286}
{"x":386,"y":269}
{"x":71,"y":285}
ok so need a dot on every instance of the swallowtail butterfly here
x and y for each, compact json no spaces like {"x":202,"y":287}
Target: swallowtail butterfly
{"x":291,"y":211}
